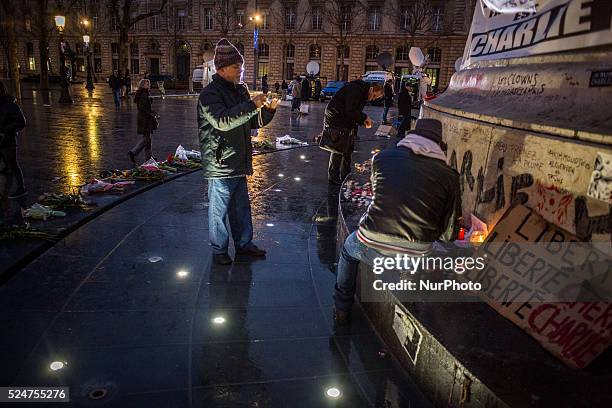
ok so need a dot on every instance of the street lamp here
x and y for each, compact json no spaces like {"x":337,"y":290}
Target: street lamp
{"x":60,"y":23}
{"x":90,"y":86}
{"x":255,"y":19}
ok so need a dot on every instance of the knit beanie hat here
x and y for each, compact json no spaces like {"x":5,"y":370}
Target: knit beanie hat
{"x":226,"y":54}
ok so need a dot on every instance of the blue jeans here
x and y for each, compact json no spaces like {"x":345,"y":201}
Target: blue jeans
{"x":385,"y":112}
{"x":353,"y":251}
{"x":117,"y":97}
{"x":229,"y":198}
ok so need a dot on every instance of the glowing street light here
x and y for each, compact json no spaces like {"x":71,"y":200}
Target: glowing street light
{"x":60,"y":23}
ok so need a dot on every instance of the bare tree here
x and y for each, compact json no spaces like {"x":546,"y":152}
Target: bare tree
{"x":412,"y":18}
{"x":225,"y":17}
{"x":341,"y":24}
{"x":8,"y":14}
{"x":126,"y":17}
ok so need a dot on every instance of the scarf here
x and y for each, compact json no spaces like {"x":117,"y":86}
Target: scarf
{"x":422,"y":146}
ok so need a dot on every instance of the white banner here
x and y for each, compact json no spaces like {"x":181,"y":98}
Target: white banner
{"x":557,"y":25}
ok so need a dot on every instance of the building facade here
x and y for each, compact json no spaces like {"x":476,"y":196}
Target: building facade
{"x":343,"y":37}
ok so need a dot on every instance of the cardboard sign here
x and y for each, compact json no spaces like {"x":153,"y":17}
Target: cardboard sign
{"x":534,"y":270}
{"x":557,"y":25}
{"x":407,"y":333}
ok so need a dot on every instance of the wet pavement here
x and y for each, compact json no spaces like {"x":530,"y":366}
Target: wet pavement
{"x":63,"y":146}
{"x":183,"y":332}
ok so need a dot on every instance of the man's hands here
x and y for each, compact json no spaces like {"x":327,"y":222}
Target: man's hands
{"x":368,"y":123}
{"x":272,"y":104}
{"x":259,"y":100}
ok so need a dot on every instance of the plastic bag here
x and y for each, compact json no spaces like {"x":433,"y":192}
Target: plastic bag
{"x":288,"y":140}
{"x":150,"y":165}
{"x":181,"y":153}
{"x":40,"y":212}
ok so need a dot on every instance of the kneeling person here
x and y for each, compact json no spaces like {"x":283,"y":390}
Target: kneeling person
{"x":417,"y":200}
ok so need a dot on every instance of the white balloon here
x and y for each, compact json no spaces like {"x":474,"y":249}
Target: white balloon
{"x":416,"y":56}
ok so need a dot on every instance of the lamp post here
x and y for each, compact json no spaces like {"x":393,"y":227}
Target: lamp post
{"x":60,"y":23}
{"x":255,"y":19}
{"x":90,"y":85}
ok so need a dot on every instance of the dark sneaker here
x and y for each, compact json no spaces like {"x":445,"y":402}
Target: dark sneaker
{"x":222,"y":259}
{"x":20,"y":192}
{"x":251,"y":251}
{"x":341,"y":318}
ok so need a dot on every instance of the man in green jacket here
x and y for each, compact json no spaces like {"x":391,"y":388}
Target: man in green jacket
{"x":226,"y":115}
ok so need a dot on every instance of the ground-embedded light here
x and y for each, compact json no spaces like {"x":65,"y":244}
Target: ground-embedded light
{"x":219,"y":320}
{"x":56,"y":365}
{"x":182,"y":274}
{"x":297,"y":178}
{"x":333,"y":392}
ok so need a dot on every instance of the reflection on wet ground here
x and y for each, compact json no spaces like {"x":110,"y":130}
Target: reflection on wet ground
{"x":132,"y":304}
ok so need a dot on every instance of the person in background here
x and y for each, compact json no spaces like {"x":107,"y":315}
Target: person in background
{"x":12,"y":122}
{"x":284,"y":88}
{"x":114,"y":82}
{"x":344,"y":113}
{"x":388,"y":100}
{"x":162,"y":89}
{"x":277,"y":88}
{"x":416,"y":201}
{"x":305,"y":89}
{"x":404,"y":107}
{"x":296,"y":94}
{"x":317,"y":94}
{"x":147,"y":122}
{"x":264,"y":84}
{"x":226,"y":116}
{"x":127,"y":83}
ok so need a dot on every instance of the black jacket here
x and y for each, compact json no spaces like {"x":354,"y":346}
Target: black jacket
{"x":11,"y":121}
{"x":388,"y":97}
{"x":145,"y":112}
{"x":226,"y":116}
{"x":404,"y":103}
{"x":417,"y":200}
{"x":345,"y":110}
{"x":115,"y":82}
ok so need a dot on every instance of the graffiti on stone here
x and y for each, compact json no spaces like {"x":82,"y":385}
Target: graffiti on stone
{"x":517,"y":84}
{"x":600,"y":186}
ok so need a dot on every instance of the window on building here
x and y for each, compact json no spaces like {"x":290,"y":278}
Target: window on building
{"x":437,"y":19}
{"x":342,"y":72}
{"x":135,"y":66}
{"x":435,"y":55}
{"x":134,"y":49}
{"x":95,"y":22}
{"x":374,"y":19}
{"x":263,"y":50}
{"x":289,"y":71}
{"x":154,"y":22}
{"x":346,"y":18}
{"x":208,"y":18}
{"x":97,"y":49}
{"x":240,"y":18}
{"x":154,"y":66}
{"x":315,"y":51}
{"x":290,"y":18}
{"x":181,"y":19}
{"x":434,"y":74}
{"x":115,"y":55}
{"x":114,"y":23}
{"x":28,"y":24}
{"x":401,"y":53}
{"x":264,"y":24}
{"x":371,"y":67}
{"x":80,"y":64}
{"x":290,"y":51}
{"x":30,"y":54}
{"x":371,"y":52}
{"x":262,"y":68}
{"x":317,"y":18}
{"x":405,"y":19}
{"x":343,"y":51}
